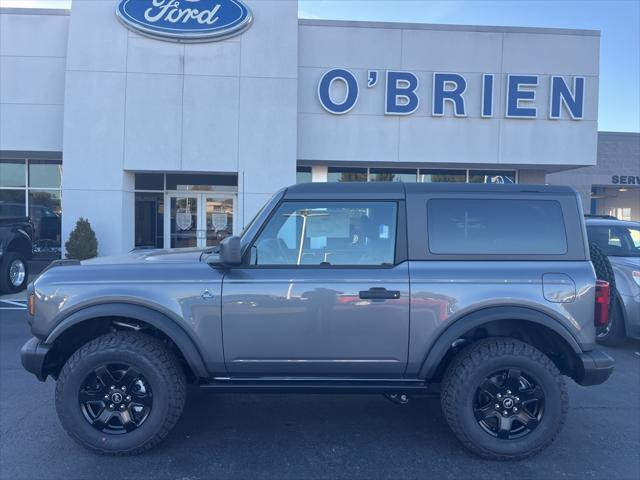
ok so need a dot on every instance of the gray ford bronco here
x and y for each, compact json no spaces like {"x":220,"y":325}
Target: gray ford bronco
{"x":483,"y":294}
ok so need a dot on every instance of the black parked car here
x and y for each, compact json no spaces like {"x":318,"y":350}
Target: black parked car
{"x":16,"y":234}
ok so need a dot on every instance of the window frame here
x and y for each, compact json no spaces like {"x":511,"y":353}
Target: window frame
{"x":400,"y":240}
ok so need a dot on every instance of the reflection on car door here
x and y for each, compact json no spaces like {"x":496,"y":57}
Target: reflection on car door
{"x":322,"y":295}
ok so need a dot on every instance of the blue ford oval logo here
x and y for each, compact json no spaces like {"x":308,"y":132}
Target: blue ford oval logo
{"x":185,"y":20}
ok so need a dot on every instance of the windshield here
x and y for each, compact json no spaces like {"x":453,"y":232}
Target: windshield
{"x":615,"y":240}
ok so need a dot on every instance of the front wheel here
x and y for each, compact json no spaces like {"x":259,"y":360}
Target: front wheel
{"x":504,"y":399}
{"x":121,"y":393}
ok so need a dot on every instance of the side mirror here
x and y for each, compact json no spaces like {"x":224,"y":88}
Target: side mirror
{"x":230,"y":251}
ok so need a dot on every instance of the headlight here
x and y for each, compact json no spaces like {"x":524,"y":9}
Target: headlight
{"x":636,"y":277}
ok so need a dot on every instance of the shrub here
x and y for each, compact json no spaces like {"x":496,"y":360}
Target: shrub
{"x":82,"y":243}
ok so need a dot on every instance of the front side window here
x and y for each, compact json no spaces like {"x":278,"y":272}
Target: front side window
{"x":328,"y":233}
{"x":495,"y":227}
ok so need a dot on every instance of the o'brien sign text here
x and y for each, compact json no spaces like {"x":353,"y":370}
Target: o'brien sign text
{"x":185,"y":20}
{"x":401,"y":96}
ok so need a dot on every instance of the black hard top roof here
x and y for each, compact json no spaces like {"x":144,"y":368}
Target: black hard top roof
{"x":399,"y":189}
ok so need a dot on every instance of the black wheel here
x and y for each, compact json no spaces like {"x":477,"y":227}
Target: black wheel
{"x":614,"y":333}
{"x":14,"y":272}
{"x":504,"y":399}
{"x":121,"y":393}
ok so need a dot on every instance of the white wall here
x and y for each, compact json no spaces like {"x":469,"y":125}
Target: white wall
{"x":135,"y":103}
{"x":618,"y":155}
{"x":32,"y":65}
{"x":366,"y":134}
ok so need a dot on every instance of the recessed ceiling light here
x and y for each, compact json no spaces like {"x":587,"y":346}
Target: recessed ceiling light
{"x":623,"y":189}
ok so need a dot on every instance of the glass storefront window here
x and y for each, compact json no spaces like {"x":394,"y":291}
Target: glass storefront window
{"x":12,"y":203}
{"x":45,"y":174}
{"x":342,"y":174}
{"x":437,"y":175}
{"x":149,"y":181}
{"x":176,"y":210}
{"x":45,"y":213}
{"x":492,"y":176}
{"x":40,"y":194}
{"x":202,"y":181}
{"x":392,"y":175}
{"x":149,"y":220}
{"x":12,"y":173}
{"x":303,"y":175}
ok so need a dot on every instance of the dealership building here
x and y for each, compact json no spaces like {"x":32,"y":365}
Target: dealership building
{"x":162,"y":133}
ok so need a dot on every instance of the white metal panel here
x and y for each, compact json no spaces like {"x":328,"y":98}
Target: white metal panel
{"x":210,"y":124}
{"x":153,"y":123}
{"x":33,"y":35}
{"x":451,"y":51}
{"x":31,"y":127}
{"x":34,"y":80}
{"x":93,"y":148}
{"x":270,"y":45}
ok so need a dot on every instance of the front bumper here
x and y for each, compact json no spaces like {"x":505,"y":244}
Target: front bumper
{"x":33,"y":355}
{"x":594,"y":368}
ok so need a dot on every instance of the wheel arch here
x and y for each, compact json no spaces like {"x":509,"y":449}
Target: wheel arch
{"x":20,"y":244}
{"x":93,"y":321}
{"x":523,"y":323}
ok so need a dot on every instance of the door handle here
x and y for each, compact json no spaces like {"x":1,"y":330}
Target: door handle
{"x":379,"y":293}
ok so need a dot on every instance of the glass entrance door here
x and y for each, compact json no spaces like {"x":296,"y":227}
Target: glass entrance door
{"x":181,"y":221}
{"x":218,"y":211}
{"x":198,"y":219}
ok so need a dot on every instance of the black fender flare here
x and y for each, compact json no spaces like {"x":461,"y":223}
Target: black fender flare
{"x":148,"y":315}
{"x":486,"y":315}
{"x":20,"y":243}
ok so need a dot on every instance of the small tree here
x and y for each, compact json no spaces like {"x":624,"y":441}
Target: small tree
{"x":82,"y":243}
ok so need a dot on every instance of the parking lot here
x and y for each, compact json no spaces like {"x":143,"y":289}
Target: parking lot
{"x":312,"y":436}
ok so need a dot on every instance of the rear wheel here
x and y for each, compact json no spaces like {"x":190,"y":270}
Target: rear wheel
{"x":504,"y":399}
{"x":121,"y":393}
{"x":14,"y":272}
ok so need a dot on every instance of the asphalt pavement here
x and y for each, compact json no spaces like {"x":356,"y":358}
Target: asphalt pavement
{"x":242,"y":436}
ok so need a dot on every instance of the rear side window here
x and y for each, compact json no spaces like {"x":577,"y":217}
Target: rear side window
{"x":495,"y":227}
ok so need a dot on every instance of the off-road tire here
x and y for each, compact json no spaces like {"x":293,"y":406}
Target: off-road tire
{"x":604,"y":270}
{"x":616,"y":334}
{"x":469,"y":369}
{"x":5,"y":282}
{"x":149,"y":356}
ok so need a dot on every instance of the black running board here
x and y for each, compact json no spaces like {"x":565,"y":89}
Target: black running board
{"x":319,"y":385}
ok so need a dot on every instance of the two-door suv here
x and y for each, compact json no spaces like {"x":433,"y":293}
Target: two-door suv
{"x":482,"y":293}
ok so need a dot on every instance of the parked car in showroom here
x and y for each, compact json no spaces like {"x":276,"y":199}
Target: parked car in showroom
{"x":484,"y":294}
{"x":15,"y":252}
{"x":620,"y":241}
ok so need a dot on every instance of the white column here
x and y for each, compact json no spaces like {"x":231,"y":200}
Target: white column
{"x":319,"y":173}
